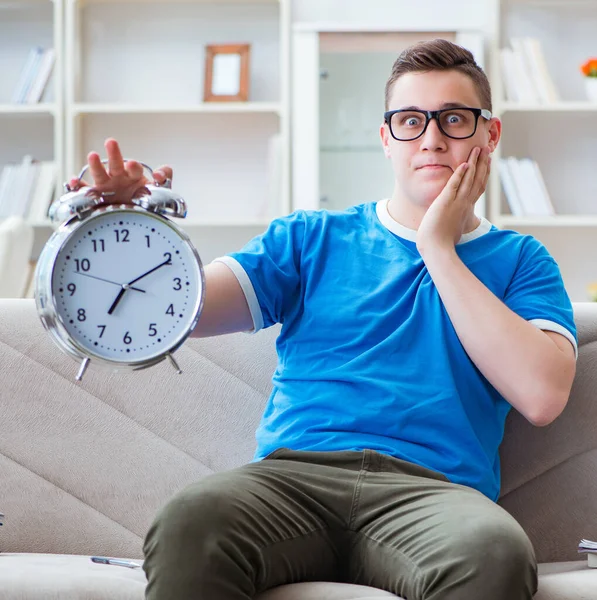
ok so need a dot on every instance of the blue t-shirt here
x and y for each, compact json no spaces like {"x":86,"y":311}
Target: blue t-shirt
{"x":367,"y":354}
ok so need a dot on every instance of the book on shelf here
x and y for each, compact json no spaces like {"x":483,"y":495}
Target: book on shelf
{"x":29,"y":289}
{"x":524,"y":187}
{"x":590,"y":549}
{"x":525,"y":74}
{"x":35,"y":76}
{"x":27,"y":189}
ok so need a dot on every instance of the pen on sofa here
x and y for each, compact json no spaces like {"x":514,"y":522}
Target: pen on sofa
{"x":1,"y":519}
{"x":104,"y":560}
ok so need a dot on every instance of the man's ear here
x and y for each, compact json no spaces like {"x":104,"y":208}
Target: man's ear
{"x":495,"y":132}
{"x":384,"y":132}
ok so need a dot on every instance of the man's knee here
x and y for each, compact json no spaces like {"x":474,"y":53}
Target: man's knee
{"x":204,"y":509}
{"x":497,"y":558}
{"x":488,"y":556}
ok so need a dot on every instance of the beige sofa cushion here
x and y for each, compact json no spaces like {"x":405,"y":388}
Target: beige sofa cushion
{"x":67,"y":577}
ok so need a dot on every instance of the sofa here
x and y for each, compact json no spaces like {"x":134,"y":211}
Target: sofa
{"x":84,"y":466}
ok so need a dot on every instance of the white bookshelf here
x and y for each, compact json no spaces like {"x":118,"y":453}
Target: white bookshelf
{"x":560,"y":136}
{"x":34,"y":129}
{"x":134,"y":71}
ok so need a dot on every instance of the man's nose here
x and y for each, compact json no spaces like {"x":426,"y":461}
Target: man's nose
{"x":433,"y":138}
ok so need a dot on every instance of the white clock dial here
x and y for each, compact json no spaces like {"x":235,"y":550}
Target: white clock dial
{"x":126,"y":286}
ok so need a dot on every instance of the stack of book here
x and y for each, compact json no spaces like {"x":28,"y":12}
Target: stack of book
{"x":524,"y":187}
{"x":27,"y":189}
{"x":35,"y":76}
{"x":589,"y":548}
{"x":525,"y":74}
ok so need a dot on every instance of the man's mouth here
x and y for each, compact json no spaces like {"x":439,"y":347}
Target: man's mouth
{"x":432,"y":167}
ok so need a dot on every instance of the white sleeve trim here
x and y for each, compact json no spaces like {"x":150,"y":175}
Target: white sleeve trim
{"x":248,"y":289}
{"x":557,"y":328}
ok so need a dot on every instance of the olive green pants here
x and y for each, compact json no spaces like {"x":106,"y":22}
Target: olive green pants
{"x":357,"y":517}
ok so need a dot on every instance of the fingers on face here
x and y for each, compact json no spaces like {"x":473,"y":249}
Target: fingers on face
{"x":482,"y":175}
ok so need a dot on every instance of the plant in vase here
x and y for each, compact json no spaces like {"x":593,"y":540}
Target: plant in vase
{"x":592,"y":292}
{"x":589,"y":70}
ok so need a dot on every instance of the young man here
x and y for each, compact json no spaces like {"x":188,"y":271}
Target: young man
{"x":410,"y":327}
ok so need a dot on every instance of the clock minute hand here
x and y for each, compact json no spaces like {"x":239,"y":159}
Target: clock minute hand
{"x":126,"y":286}
{"x":166,"y":262}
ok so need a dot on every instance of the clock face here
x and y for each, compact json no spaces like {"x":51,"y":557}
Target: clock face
{"x":126,"y":286}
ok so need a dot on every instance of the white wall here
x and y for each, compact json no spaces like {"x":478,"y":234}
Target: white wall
{"x":396,"y":14}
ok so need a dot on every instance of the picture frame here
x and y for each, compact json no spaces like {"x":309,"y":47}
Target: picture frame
{"x":227,"y":73}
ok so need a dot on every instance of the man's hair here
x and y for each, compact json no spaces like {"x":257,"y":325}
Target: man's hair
{"x":440,"y":55}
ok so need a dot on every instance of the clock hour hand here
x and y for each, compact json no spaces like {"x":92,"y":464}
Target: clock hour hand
{"x":108,"y":281}
{"x":117,"y":300}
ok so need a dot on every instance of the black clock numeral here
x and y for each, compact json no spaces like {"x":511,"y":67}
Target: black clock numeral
{"x":168,"y":256}
{"x":127,"y":338}
{"x":81,"y":316}
{"x":122,"y":235}
{"x":152,"y":330}
{"x":103,"y":328}
{"x":170,"y":310}
{"x":82,"y":265}
{"x":99,"y":244}
{"x":177,"y":284}
{"x":72,"y":288}
{"x":148,"y":241}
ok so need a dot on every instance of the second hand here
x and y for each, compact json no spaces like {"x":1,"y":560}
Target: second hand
{"x":108,"y":281}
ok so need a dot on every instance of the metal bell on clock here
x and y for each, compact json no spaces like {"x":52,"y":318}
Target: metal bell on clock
{"x":154,"y":197}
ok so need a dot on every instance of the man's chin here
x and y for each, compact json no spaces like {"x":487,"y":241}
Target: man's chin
{"x":429,"y":192}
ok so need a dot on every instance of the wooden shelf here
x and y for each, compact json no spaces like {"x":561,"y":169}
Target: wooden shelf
{"x":83,"y":2}
{"x":31,"y":109}
{"x":579,"y":106}
{"x":553,"y":221}
{"x":82,"y":108}
{"x":187,"y":223}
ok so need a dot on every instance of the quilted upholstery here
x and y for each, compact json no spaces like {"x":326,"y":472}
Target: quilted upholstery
{"x":85,"y":466}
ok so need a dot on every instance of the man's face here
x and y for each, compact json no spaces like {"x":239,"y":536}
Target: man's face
{"x":423,"y":166}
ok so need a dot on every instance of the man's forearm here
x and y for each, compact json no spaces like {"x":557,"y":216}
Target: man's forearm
{"x":517,"y":358}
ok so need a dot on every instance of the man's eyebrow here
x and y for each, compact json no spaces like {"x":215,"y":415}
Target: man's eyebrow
{"x":443,"y":105}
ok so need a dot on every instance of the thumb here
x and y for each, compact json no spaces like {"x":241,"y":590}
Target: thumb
{"x":162,"y":173}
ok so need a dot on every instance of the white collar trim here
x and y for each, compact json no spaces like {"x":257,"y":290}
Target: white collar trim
{"x":402,"y":231}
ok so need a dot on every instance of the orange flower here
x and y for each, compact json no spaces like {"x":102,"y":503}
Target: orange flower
{"x":590,"y":68}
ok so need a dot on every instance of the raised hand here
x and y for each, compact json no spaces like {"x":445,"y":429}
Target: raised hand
{"x":122,"y":180}
{"x":445,"y":220}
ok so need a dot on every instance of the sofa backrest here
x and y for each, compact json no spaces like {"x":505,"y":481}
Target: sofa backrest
{"x":85,"y":466}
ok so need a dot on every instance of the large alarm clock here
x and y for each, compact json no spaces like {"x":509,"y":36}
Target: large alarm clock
{"x":119,"y":285}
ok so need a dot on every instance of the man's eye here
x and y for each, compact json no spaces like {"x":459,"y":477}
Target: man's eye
{"x":412,"y":121}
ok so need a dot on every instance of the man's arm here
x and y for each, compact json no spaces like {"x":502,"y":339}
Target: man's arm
{"x":531,"y":370}
{"x":225,"y":308}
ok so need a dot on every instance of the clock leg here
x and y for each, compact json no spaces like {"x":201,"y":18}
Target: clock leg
{"x":174,"y":363}
{"x":82,"y":369}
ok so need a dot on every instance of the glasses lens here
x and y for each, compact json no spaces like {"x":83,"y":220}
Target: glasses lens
{"x":407,"y":125}
{"x":458,"y":122}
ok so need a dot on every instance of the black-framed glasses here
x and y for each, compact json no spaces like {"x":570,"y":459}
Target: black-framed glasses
{"x":457,"y":123}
